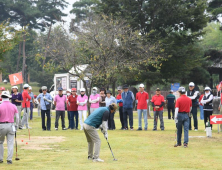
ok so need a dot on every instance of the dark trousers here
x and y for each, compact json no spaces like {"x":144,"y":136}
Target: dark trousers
{"x":207,"y":115}
{"x":121,"y":116}
{"x":58,"y":114}
{"x":43,"y":114}
{"x":170,"y":106}
{"x":73,"y":114}
{"x":111,"y":122}
{"x":194,"y":113}
{"x":68,"y":114}
{"x":128,"y":112}
{"x":31,"y":110}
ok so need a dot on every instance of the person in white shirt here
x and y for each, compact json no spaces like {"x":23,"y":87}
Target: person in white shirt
{"x":207,"y":102}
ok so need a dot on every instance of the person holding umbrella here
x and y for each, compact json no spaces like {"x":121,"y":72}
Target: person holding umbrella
{"x":7,"y":129}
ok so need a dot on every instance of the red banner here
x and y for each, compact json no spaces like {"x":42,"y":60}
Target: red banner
{"x":16,"y":78}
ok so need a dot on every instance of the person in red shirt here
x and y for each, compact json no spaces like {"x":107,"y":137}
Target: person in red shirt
{"x":120,"y":101}
{"x":73,"y":109}
{"x":142,"y":99}
{"x":26,"y":106}
{"x":157,"y":103}
{"x":182,"y":111}
{"x":201,"y":107}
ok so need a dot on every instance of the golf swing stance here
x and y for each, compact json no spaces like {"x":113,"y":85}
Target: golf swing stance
{"x":97,"y":119}
{"x":7,"y":128}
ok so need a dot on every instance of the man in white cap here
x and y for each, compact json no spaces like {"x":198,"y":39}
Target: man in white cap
{"x":194,"y":96}
{"x":142,"y":99}
{"x":82,"y":106}
{"x":207,"y":102}
{"x":17,"y":101}
{"x":31,"y":102}
{"x":7,"y":113}
{"x":26,"y":106}
{"x":45,"y":100}
{"x":94,"y":100}
{"x":183,"y":108}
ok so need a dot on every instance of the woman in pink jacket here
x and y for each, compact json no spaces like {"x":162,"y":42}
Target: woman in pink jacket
{"x":82,"y":106}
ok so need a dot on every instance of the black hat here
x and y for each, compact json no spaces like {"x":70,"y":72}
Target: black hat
{"x":158,"y":89}
{"x":125,"y":86}
{"x":108,"y":92}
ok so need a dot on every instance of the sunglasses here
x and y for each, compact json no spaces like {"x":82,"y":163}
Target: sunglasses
{"x":43,"y":90}
{"x":73,"y":91}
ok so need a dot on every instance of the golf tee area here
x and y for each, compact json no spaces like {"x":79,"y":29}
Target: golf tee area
{"x":66,"y":149}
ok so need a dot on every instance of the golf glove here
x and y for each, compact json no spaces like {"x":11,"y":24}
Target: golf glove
{"x":44,"y":98}
{"x":106,"y":135}
{"x":104,"y":127}
{"x":176,"y":120}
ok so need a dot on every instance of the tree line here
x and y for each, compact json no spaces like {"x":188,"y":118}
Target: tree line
{"x":122,"y":41}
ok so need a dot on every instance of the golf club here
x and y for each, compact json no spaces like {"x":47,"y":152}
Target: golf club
{"x":175,"y":143}
{"x":16,"y":148}
{"x":114,"y":159}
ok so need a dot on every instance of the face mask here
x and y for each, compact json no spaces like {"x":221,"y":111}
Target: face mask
{"x":94,"y":91}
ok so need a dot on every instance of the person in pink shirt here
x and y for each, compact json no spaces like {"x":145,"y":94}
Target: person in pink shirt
{"x":59,"y":103}
{"x":7,"y":113}
{"x":94,"y":100}
{"x":82,"y":106}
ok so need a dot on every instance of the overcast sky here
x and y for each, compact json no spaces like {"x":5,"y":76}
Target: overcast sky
{"x":67,"y":10}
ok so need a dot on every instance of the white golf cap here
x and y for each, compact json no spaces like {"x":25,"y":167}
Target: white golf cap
{"x":26,"y":86}
{"x":30,"y":87}
{"x":171,"y":91}
{"x":141,"y":85}
{"x":14,"y":87}
{"x":182,"y":89}
{"x":207,"y":88}
{"x":119,"y":88}
{"x":69,"y":90}
{"x":191,"y":84}
{"x":6,"y":93}
{"x":44,"y":88}
{"x":82,"y":89}
{"x":95,"y":88}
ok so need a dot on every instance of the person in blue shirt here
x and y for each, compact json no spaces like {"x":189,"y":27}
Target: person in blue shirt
{"x":109,"y":100}
{"x":31,"y":102}
{"x":97,"y":119}
{"x":128,"y":98}
{"x":45,"y":100}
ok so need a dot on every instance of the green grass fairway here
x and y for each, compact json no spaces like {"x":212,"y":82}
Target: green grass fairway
{"x":134,"y":150}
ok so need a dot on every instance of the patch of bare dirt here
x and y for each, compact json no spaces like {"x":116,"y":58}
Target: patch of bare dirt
{"x":40,"y":142}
